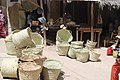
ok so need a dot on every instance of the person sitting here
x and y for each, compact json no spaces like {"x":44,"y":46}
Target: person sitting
{"x":115,"y":69}
{"x":32,"y":19}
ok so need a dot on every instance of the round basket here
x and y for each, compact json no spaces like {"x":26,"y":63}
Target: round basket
{"x":90,"y":45}
{"x":94,"y":55}
{"x":64,"y":35}
{"x":9,"y":67}
{"x":36,"y":38}
{"x":11,"y":49}
{"x":29,"y":71}
{"x":51,"y":69}
{"x":73,"y":50}
{"x":23,"y":38}
{"x":34,"y":50}
{"x":62,"y":49}
{"x":32,"y":58}
{"x":82,"y":55}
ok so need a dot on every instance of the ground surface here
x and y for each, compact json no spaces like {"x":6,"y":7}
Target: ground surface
{"x":72,"y":69}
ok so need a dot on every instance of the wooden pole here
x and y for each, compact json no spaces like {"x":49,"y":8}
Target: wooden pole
{"x":41,"y":5}
{"x":44,"y":31}
{"x":92,"y":20}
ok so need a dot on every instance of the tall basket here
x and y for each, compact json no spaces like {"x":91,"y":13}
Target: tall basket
{"x":29,"y":71}
{"x":51,"y":69}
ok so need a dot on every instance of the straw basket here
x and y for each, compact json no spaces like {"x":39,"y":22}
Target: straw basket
{"x":22,"y":38}
{"x":29,"y":71}
{"x":90,"y":45}
{"x":82,"y":55}
{"x":9,"y":67}
{"x":33,"y":50}
{"x":73,"y":50}
{"x":63,"y":35}
{"x":37,"y":38}
{"x":94,"y":55}
{"x":11,"y":49}
{"x":32,"y":58}
{"x":62,"y":49}
{"x":51,"y":69}
{"x":78,"y":43}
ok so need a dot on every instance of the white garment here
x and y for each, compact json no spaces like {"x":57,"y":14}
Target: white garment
{"x":2,"y":17}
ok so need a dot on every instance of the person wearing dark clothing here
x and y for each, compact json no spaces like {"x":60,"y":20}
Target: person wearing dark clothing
{"x":32,"y":19}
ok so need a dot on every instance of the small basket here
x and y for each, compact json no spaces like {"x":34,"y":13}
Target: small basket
{"x":73,"y":50}
{"x":94,"y":55}
{"x":62,"y":49}
{"x":29,"y":71}
{"x":32,"y":58}
{"x":82,"y":55}
{"x":51,"y":69}
{"x":33,"y":50}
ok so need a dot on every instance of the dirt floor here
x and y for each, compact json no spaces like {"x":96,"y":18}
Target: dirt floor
{"x":72,"y":69}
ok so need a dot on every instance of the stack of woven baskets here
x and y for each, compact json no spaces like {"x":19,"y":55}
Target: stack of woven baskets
{"x":75,"y":50}
{"x":31,"y":67}
{"x":19,"y":40}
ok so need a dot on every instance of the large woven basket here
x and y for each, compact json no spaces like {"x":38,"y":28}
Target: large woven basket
{"x":51,"y":69}
{"x":62,"y":49}
{"x":82,"y":55}
{"x":23,"y":38}
{"x":94,"y":55}
{"x":29,"y":71}
{"x":9,"y":67}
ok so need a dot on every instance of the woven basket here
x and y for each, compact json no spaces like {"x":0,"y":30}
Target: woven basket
{"x":9,"y":67}
{"x":73,"y":50}
{"x":51,"y":69}
{"x":82,"y":55}
{"x":62,"y":49}
{"x":11,"y":49}
{"x":37,"y":38}
{"x":94,"y":55}
{"x":32,"y":58}
{"x":63,"y":35}
{"x":23,"y":38}
{"x":33,"y":50}
{"x":90,"y":45}
{"x":29,"y":71}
